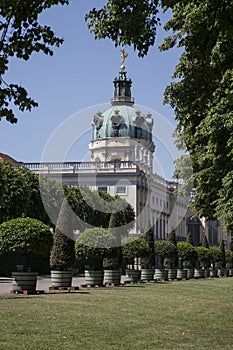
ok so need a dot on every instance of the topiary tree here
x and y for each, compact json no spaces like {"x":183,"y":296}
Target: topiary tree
{"x":25,"y":235}
{"x":186,"y":253}
{"x":205,"y":242}
{"x":172,"y":237}
{"x":115,"y":261}
{"x":172,"y":263}
{"x":62,"y":255}
{"x":222,"y":249}
{"x":204,"y":256}
{"x":189,"y":238}
{"x":216,"y":256}
{"x":94,"y":245}
{"x":231,"y":245}
{"x":165,"y":250}
{"x":134,"y":248}
{"x":148,"y":261}
{"x":229,"y":259}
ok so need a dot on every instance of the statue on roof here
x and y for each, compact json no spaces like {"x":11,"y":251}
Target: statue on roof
{"x":124,"y":54}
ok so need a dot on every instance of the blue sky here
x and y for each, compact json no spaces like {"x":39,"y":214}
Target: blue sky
{"x":80,"y":76}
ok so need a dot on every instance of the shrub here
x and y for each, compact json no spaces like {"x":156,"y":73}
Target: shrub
{"x":25,"y":236}
{"x":134,"y":248}
{"x":231,"y":245}
{"x":222,"y":249}
{"x":148,"y":260}
{"x":94,"y":245}
{"x":172,"y":237}
{"x":229,"y":258}
{"x":189,"y":238}
{"x":62,"y":255}
{"x":216,"y":256}
{"x":186,"y":253}
{"x":165,"y":249}
{"x":204,"y":256}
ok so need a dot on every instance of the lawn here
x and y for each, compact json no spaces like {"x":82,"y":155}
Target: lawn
{"x":194,"y":314}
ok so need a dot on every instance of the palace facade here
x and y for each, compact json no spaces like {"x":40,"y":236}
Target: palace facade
{"x":122,"y":152}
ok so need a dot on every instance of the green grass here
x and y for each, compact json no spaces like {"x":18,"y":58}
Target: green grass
{"x":176,"y":315}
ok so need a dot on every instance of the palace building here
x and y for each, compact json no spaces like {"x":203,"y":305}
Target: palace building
{"x":122,"y":152}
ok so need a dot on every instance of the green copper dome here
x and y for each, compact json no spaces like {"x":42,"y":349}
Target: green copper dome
{"x":122,"y":119}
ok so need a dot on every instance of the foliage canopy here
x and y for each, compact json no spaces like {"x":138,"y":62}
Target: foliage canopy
{"x":21,"y":35}
{"x":25,"y":235}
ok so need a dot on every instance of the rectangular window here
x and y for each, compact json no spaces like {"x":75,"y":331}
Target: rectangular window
{"x":121,"y":190}
{"x":103,"y":188}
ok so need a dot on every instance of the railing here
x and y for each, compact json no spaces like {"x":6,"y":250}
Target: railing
{"x":77,"y":167}
{"x":90,"y":167}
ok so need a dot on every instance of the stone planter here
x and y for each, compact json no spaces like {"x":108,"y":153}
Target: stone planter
{"x":112,"y":276}
{"x":181,"y":274}
{"x":61,"y":278}
{"x":147,"y":275}
{"x":160,"y":275}
{"x":133,"y":275}
{"x":172,"y":273}
{"x":190,"y":273}
{"x":199,"y":273}
{"x":94,"y":278}
{"x":24,"y":281}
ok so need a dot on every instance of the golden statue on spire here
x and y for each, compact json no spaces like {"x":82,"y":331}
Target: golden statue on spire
{"x":124,"y":54}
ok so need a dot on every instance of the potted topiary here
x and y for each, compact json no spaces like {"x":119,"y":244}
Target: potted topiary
{"x":148,"y":260}
{"x":25,"y":236}
{"x":216,"y":257}
{"x":204,"y":259}
{"x":229,"y":262}
{"x":113,"y":264}
{"x":187,"y":258}
{"x":222,"y":267}
{"x":163,"y":250}
{"x":62,"y":254}
{"x":189,"y":238}
{"x":172,"y":263}
{"x":134,"y":248}
{"x":94,"y":244}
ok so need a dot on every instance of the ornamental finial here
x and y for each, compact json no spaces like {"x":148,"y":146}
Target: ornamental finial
{"x":124,"y":54}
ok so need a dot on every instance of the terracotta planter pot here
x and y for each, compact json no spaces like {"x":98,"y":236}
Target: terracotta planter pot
{"x":172,"y":273}
{"x":94,"y":278}
{"x":199,"y":273}
{"x":24,"y":281}
{"x":221,"y":272}
{"x":133,"y":275}
{"x":181,"y":274}
{"x":213,"y":272}
{"x":147,"y":274}
{"x":61,"y":278}
{"x":190,"y":273}
{"x":112,"y":276}
{"x":161,"y":274}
